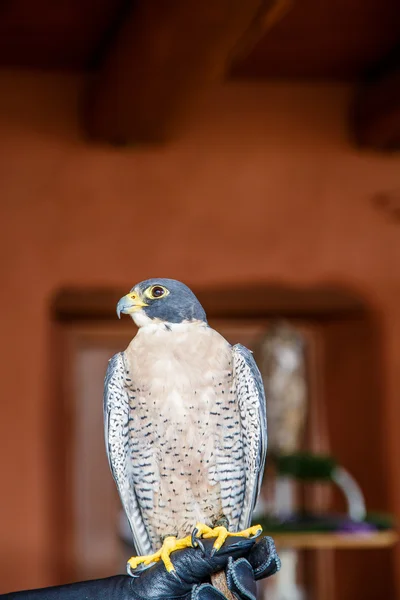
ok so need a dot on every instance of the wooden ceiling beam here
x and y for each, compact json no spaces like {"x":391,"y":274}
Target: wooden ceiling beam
{"x":165,"y":52}
{"x":375,"y":115}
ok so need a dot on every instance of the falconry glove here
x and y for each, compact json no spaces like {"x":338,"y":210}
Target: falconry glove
{"x":243,"y":560}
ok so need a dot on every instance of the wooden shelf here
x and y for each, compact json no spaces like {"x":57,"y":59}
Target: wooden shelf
{"x":299,"y":541}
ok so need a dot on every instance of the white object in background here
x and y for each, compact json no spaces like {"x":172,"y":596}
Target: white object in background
{"x":285,"y":500}
{"x":283,"y":585}
{"x":282,"y":362}
{"x":355,"y":500}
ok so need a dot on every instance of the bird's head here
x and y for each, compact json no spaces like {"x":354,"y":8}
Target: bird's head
{"x":161,"y":301}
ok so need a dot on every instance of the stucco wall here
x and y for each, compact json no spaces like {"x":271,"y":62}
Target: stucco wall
{"x":262,"y":185}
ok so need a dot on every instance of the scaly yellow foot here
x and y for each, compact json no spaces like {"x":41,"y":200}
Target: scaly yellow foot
{"x":170,"y":544}
{"x":221,"y":533}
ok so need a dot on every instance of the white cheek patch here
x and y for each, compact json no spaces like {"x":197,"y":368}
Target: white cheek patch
{"x":141,"y":319}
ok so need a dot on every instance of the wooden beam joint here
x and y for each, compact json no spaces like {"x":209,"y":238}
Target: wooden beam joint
{"x":375,"y":115}
{"x":164,"y":54}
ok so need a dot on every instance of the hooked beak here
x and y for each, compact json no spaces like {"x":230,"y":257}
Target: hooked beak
{"x":129,"y":304}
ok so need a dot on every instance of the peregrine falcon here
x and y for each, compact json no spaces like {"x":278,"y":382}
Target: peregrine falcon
{"x":185,"y":425}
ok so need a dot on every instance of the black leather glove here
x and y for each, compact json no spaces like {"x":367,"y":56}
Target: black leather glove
{"x":244,"y":561}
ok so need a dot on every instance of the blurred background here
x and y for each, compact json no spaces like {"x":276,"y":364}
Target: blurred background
{"x":250,"y":149}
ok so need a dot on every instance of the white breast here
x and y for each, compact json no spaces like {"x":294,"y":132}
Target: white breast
{"x":178,"y":366}
{"x":182,"y":395}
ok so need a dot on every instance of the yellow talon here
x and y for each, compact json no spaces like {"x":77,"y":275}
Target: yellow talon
{"x":221,"y":533}
{"x":202,"y":529}
{"x":170,"y":544}
{"x":250,"y":532}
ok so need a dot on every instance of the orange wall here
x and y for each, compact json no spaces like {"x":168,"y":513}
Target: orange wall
{"x":263,"y":185}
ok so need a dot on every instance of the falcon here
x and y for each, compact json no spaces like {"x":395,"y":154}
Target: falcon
{"x":185,"y":426}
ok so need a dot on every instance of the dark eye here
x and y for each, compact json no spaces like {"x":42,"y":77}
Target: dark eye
{"x":157,"y":291}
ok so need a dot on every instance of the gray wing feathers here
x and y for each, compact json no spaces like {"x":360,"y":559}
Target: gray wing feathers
{"x":116,"y":430}
{"x":251,"y":400}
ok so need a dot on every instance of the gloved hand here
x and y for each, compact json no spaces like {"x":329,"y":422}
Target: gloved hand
{"x":244,"y":561}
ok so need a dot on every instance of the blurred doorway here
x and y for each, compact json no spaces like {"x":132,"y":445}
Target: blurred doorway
{"x":344,"y":417}
{"x":95,"y":548}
